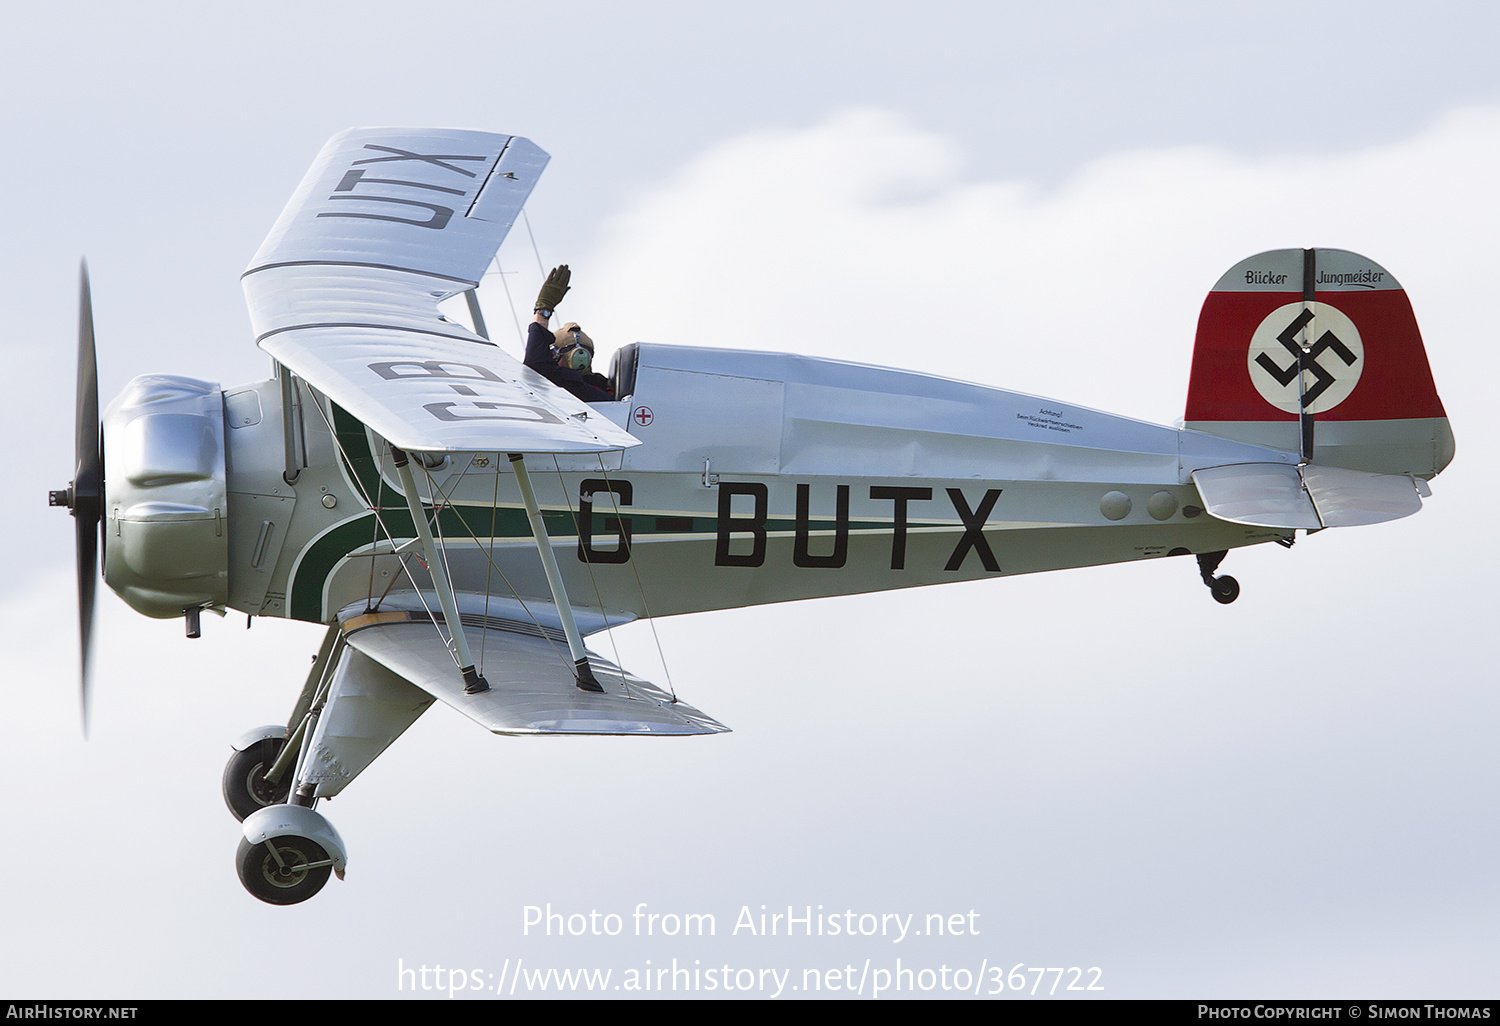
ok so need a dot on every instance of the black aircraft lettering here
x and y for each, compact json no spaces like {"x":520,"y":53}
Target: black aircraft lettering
{"x":625,"y":495}
{"x":753,"y":525}
{"x":901,"y":496}
{"x":432,"y":369}
{"x":353,"y":178}
{"x":840,"y":554}
{"x":973,"y":530}
{"x":438,"y":221}
{"x":537,"y":415}
{"x":435,"y":159}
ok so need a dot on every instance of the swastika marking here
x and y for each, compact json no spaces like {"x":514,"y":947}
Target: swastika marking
{"x":1333,"y":361}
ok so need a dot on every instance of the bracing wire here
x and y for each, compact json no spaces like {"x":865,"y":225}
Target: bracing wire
{"x":539,"y":265}
{"x":494,"y":506}
{"x":437,"y":530}
{"x":442,"y":542}
{"x":374,"y":533}
{"x":589,"y":566}
{"x":394,"y":578}
{"x":508,"y":299}
{"x":370,"y":601}
{"x":380,"y":524}
{"x":436,"y":620}
{"x":458,"y":512}
{"x":641,"y":587}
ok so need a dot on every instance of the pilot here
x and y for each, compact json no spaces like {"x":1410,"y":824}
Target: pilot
{"x":564,"y":357}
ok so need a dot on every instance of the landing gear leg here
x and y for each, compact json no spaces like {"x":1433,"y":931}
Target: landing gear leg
{"x":1225,"y":589}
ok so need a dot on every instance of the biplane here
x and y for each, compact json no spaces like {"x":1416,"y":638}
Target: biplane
{"x":461,"y":525}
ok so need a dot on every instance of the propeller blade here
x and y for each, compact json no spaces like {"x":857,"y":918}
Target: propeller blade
{"x":88,"y":483}
{"x":87,"y":542}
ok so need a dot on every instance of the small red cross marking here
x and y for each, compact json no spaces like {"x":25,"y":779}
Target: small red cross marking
{"x":642,"y":415}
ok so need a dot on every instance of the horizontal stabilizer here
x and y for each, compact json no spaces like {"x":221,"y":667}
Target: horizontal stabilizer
{"x":1310,"y":498}
{"x":1351,"y":498}
{"x":532,"y":689}
{"x":1260,"y":494}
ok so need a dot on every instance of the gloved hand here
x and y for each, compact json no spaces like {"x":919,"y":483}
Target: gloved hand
{"x":554,"y":288}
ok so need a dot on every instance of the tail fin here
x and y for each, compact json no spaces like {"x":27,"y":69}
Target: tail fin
{"x":1364,"y":398}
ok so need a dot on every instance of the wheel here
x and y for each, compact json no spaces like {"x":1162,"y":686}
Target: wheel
{"x":1225,"y":589}
{"x":286,"y":882}
{"x":245,"y":785}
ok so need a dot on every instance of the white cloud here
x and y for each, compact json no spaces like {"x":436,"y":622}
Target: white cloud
{"x":861,"y":239}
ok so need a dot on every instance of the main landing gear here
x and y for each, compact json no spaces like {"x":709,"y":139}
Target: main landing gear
{"x":1225,"y":589}
{"x":287,"y":850}
{"x":280,"y":866}
{"x":287,"y":854}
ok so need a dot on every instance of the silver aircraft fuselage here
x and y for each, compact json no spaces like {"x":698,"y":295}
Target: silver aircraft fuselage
{"x":760,"y":477}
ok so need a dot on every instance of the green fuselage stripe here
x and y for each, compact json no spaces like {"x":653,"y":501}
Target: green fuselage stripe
{"x":481,"y":521}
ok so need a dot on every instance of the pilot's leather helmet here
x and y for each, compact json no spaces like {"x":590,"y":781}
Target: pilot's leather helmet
{"x":571,"y":342}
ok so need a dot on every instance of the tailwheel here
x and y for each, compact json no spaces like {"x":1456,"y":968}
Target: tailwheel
{"x":1225,"y":589}
{"x":283,"y":870}
{"x":246,"y":788}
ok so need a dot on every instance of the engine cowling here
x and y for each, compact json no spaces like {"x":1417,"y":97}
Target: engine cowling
{"x":166,"y":510}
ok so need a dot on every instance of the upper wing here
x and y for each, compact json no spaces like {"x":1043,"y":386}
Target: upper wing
{"x":344,"y":291}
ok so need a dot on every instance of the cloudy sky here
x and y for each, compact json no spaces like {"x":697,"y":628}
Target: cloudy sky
{"x":1293,"y":796}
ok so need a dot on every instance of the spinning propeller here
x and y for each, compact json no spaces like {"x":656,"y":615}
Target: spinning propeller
{"x":84,"y":496}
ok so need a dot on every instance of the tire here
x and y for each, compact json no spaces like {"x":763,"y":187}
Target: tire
{"x":245,"y":786}
{"x":1225,"y":589}
{"x":284,"y":884}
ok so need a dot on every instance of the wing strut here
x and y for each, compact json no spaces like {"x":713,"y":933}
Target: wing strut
{"x":581,"y":671}
{"x":474,"y":684}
